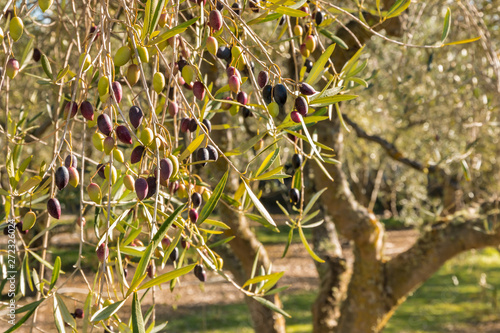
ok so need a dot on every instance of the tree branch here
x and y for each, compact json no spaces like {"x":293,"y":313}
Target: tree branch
{"x":443,"y":241}
{"x":390,"y":148}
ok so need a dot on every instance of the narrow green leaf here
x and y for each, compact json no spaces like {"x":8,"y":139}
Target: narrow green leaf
{"x":140,"y":272}
{"x":265,"y":18}
{"x":311,"y":142}
{"x":137,"y":320}
{"x":306,"y":245}
{"x":62,"y":73}
{"x":192,"y":147}
{"x":222,"y":241}
{"x":214,"y":199}
{"x":55,"y":272}
{"x":325,"y":101}
{"x":290,"y":11}
{"x":58,"y":318}
{"x":465,"y":41}
{"x":67,"y":317}
{"x":30,"y":306}
{"x":173,"y":32}
{"x":269,"y":175}
{"x":446,"y":25}
{"x":265,"y":214}
{"x":107,"y":312}
{"x":168,"y":276}
{"x":271,"y":306}
{"x":27,"y":54}
{"x":322,"y":167}
{"x":277,"y":290}
{"x":288,"y":242}
{"x":261,"y":278}
{"x":334,"y":38}
{"x":271,"y":282}
{"x":46,"y":66}
{"x":465,"y":168}
{"x":399,"y":7}
{"x":29,"y":184}
{"x":268,"y":161}
{"x":313,"y":200}
{"x":246,"y":145}
{"x":217,"y":224}
{"x":22,"y":320}
{"x":318,"y":67}
{"x":255,"y":261}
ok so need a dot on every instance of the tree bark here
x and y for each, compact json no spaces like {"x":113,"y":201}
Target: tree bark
{"x":377,"y":287}
{"x":245,"y":247}
{"x":333,"y":276}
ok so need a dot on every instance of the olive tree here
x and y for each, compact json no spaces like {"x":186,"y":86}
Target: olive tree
{"x":162,"y":118}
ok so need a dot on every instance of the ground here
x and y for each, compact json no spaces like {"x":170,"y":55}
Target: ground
{"x":460,"y":298}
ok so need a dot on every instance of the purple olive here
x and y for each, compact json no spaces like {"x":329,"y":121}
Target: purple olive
{"x":141,"y":188}
{"x":193,"y":215}
{"x":151,"y":186}
{"x":199,"y":89}
{"x":208,"y":125}
{"x":173,"y":109}
{"x":213,"y":155}
{"x":100,"y":170}
{"x":74,"y":109}
{"x":104,"y":124}
{"x":137,"y":154}
{"x":37,"y":54}
{"x":224,"y":53}
{"x":185,"y":124}
{"x":87,"y":110}
{"x":193,"y":125}
{"x":262,"y":79}
{"x":61,"y":177}
{"x":301,"y":105}
{"x":102,"y":252}
{"x":166,"y":169}
{"x":123,"y":134}
{"x":215,"y":20}
{"x":280,"y":94}
{"x":297,"y":161}
{"x":117,"y":91}
{"x":253,"y":5}
{"x":294,"y":195}
{"x":78,"y":313}
{"x":174,"y":255}
{"x":54,"y":208}
{"x":306,"y":89}
{"x":135,"y":115}
{"x":173,"y":186}
{"x":246,"y":112}
{"x":242,"y":98}
{"x":196,"y":199}
{"x":267,"y":94}
{"x":70,"y":161}
{"x":202,"y":155}
{"x":309,"y":65}
{"x":236,"y":7}
{"x":151,"y":271}
{"x":295,"y":116}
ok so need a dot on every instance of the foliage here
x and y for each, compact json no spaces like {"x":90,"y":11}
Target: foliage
{"x":73,"y":76}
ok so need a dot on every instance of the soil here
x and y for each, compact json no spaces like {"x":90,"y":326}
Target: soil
{"x":300,"y":274}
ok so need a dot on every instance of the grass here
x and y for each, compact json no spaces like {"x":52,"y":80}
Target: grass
{"x":452,"y":299}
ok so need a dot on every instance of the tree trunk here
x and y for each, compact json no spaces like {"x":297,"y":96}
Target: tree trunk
{"x":245,"y":247}
{"x":333,"y":276}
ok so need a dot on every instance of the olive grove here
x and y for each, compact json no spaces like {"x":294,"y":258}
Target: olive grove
{"x":159,"y":127}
